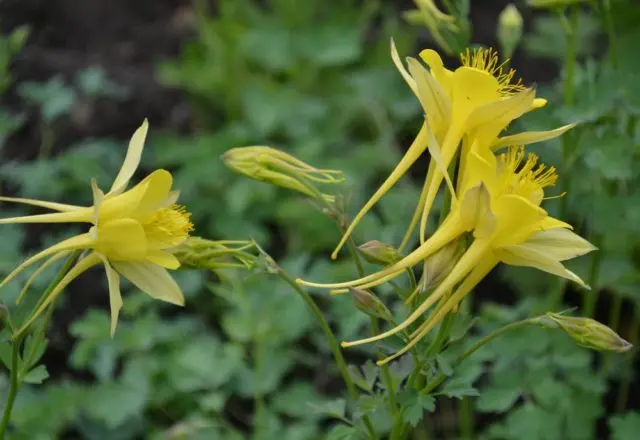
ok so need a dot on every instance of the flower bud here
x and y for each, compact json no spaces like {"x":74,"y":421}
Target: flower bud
{"x":369,"y":303}
{"x":377,"y":252}
{"x":277,"y":168}
{"x":200,"y":253}
{"x":438,"y":265}
{"x":434,"y":19}
{"x":588,"y":332}
{"x":552,"y":4}
{"x":509,"y":30}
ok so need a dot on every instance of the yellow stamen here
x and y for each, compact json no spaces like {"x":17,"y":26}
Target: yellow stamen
{"x":488,"y":61}
{"x":526,"y":178}
{"x":168,"y":227}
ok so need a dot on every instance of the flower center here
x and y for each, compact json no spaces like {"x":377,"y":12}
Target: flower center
{"x":525,"y":177}
{"x":168,"y":227}
{"x":488,"y":61}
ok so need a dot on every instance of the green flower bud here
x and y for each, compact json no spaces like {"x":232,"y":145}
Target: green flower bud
{"x":200,"y":253}
{"x":587,"y":332}
{"x":438,"y":265}
{"x":434,"y":19}
{"x":277,"y":168}
{"x":369,"y":303}
{"x":509,"y":30}
{"x":377,"y":252}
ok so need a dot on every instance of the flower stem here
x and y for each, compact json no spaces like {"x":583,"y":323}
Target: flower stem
{"x":590,"y":298}
{"x":490,"y":337}
{"x":16,"y":379}
{"x":14,"y":385}
{"x":613,"y":322}
{"x":623,"y":387}
{"x":333,"y":343}
{"x":611,"y":35}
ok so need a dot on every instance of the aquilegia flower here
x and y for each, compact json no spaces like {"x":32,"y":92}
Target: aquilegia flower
{"x":474,"y":103}
{"x":499,"y":204}
{"x":133,"y":234}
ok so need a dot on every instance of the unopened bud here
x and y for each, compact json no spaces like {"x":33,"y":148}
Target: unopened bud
{"x":588,"y":332}
{"x":200,"y":253}
{"x":377,"y":252}
{"x":438,"y":265}
{"x":434,"y":19}
{"x":553,"y":4}
{"x":277,"y":168}
{"x":509,"y":30}
{"x":369,"y":303}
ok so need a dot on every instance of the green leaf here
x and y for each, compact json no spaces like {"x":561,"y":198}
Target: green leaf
{"x":343,"y":432}
{"x":415,"y":408}
{"x":458,"y":390}
{"x":497,"y":400}
{"x":333,"y":408}
{"x":37,"y":375}
{"x":625,"y":426}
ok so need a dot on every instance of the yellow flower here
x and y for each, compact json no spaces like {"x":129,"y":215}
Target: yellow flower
{"x":475,"y":102}
{"x":133,"y":234}
{"x":500,"y":204}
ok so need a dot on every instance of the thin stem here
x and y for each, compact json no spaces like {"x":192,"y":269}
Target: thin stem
{"x":465,"y":414}
{"x":611,"y":35}
{"x":333,"y":343}
{"x":623,"y":387}
{"x":613,"y":322}
{"x":490,"y":337}
{"x":13,"y":387}
{"x":385,"y":373}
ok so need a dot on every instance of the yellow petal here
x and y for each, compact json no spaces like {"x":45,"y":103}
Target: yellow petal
{"x":538,"y":103}
{"x":77,"y":270}
{"x":98,"y":198}
{"x":447,"y":232}
{"x":82,"y":215}
{"x":552,"y":223}
{"x":115,"y":297}
{"x":440,"y":73}
{"x":418,"y":147}
{"x":163,"y":258}
{"x":475,"y":211}
{"x":521,"y":256}
{"x":158,"y":190}
{"x":122,"y":239}
{"x":434,"y":100}
{"x":476,"y":275}
{"x":517,"y":219}
{"x":152,"y":279}
{"x":530,"y":137}
{"x":476,"y":252}
{"x":417,"y":213}
{"x":131,"y":160}
{"x":559,"y":244}
{"x":398,"y":63}
{"x":60,"y":207}
{"x":473,"y":88}
{"x":78,"y":242}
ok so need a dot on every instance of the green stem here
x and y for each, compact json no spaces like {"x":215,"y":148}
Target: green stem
{"x":465,"y":414}
{"x":333,"y":343}
{"x":608,"y":25}
{"x":13,"y":387}
{"x":613,"y":322}
{"x":623,"y":387}
{"x":490,"y":337}
{"x":385,"y":373}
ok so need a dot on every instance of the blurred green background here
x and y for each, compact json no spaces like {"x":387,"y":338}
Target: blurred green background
{"x":315,"y":79}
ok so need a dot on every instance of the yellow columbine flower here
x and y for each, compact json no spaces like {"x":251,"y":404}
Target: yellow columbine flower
{"x":133,"y":234}
{"x":475,"y":102}
{"x":499,"y":203}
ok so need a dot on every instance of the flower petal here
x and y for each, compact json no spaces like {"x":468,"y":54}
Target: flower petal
{"x":530,"y":137}
{"x":82,"y":215}
{"x":559,"y":244}
{"x":122,"y":239}
{"x":77,"y":242}
{"x":163,"y":258}
{"x":115,"y":297}
{"x":131,"y":160}
{"x":152,"y":279}
{"x":60,"y":207}
{"x":38,"y":271}
{"x":521,"y":256}
{"x":398,"y":63}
